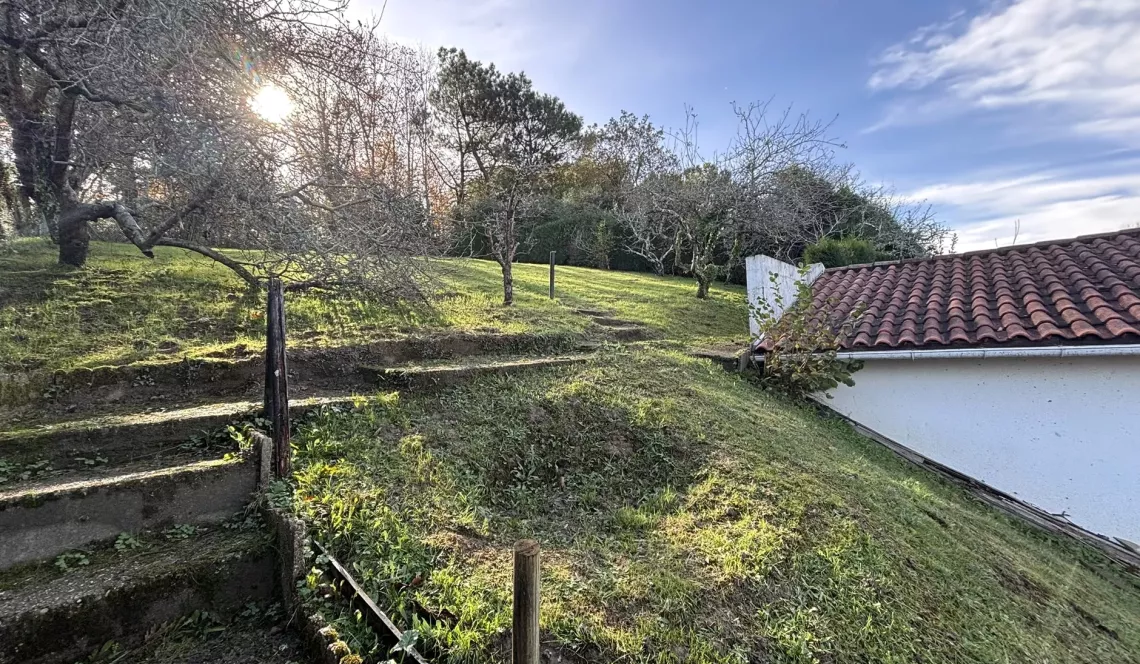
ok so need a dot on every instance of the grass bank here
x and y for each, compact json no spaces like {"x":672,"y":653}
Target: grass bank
{"x":124,"y":307}
{"x":687,"y":516}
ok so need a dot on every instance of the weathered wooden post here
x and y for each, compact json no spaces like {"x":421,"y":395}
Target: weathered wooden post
{"x":524,"y":635}
{"x":277,"y":378}
{"x":553,"y":255}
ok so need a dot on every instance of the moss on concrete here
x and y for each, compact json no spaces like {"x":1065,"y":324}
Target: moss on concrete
{"x":50,"y":615}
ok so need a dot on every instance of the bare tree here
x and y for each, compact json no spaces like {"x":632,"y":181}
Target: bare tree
{"x":503,"y":216}
{"x":710,"y":208}
{"x":778,"y":158}
{"x":805,"y":206}
{"x":651,"y":232}
{"x":777,"y":189}
{"x":800,"y":207}
{"x":138,"y":111}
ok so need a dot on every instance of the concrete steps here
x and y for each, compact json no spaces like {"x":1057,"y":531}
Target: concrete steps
{"x":159,"y":380}
{"x":45,"y":519}
{"x":49,"y":616}
{"x":129,"y":437}
{"x":65,"y":590}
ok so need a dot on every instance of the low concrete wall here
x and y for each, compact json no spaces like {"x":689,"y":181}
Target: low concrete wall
{"x":1058,"y":433}
{"x":63,"y":620}
{"x":763,"y":288}
{"x":39,"y":526}
{"x":122,"y":439}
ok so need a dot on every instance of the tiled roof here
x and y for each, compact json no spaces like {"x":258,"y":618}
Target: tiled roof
{"x":1085,"y":290}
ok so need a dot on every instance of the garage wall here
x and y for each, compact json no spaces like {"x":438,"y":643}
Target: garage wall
{"x":1063,"y":434}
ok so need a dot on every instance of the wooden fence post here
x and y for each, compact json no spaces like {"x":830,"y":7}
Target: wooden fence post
{"x":277,"y":378}
{"x":524,"y":635}
{"x":553,"y":255}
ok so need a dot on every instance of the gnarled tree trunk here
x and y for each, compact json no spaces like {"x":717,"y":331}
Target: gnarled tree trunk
{"x":75,"y":232}
{"x":702,"y":286}
{"x":508,"y":283}
{"x":74,"y":239}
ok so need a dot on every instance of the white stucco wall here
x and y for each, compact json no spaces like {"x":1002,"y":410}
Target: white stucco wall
{"x":759,"y":270}
{"x":1063,"y":434}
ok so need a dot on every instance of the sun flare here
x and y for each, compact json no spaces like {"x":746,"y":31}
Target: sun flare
{"x":272,"y":103}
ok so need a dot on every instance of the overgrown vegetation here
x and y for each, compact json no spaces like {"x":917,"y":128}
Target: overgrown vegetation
{"x":686,"y":515}
{"x":123,"y":307}
{"x":800,"y":342}
{"x":256,"y":634}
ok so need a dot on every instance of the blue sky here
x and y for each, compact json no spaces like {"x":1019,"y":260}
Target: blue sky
{"x":991,"y":110}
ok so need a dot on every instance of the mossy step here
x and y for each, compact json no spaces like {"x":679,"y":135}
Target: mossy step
{"x":591,"y":312}
{"x":126,"y":437}
{"x":46,"y":519}
{"x":731,"y":358}
{"x":44,"y":474}
{"x":606,"y":321}
{"x":411,"y":376}
{"x":49,"y":617}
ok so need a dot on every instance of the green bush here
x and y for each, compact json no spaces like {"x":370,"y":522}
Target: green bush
{"x":801,"y":347}
{"x":834,"y":252}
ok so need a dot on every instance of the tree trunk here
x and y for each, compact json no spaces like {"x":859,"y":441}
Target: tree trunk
{"x":508,"y":284}
{"x":74,"y":240}
{"x":74,"y":232}
{"x":25,"y":216}
{"x":702,"y":286}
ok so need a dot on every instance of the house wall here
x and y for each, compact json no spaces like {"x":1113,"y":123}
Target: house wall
{"x":1061,"y":433}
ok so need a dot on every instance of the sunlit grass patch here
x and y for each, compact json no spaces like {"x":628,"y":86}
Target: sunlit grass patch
{"x":123,"y":307}
{"x":687,"y":516}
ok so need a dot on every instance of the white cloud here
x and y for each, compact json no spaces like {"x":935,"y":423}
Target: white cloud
{"x":1047,"y":205}
{"x":1081,"y":57}
{"x":1069,"y":70}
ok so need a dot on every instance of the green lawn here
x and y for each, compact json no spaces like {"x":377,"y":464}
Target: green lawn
{"x":686,"y":516}
{"x":124,"y":307}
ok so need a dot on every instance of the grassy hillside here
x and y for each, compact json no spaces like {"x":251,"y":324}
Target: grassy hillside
{"x":123,"y":307}
{"x":687,"y":515}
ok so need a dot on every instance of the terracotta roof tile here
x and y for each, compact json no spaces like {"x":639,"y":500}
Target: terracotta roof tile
{"x":1070,"y":291}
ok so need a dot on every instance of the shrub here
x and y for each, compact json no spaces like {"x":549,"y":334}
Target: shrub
{"x":801,"y":345}
{"x":834,"y":252}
